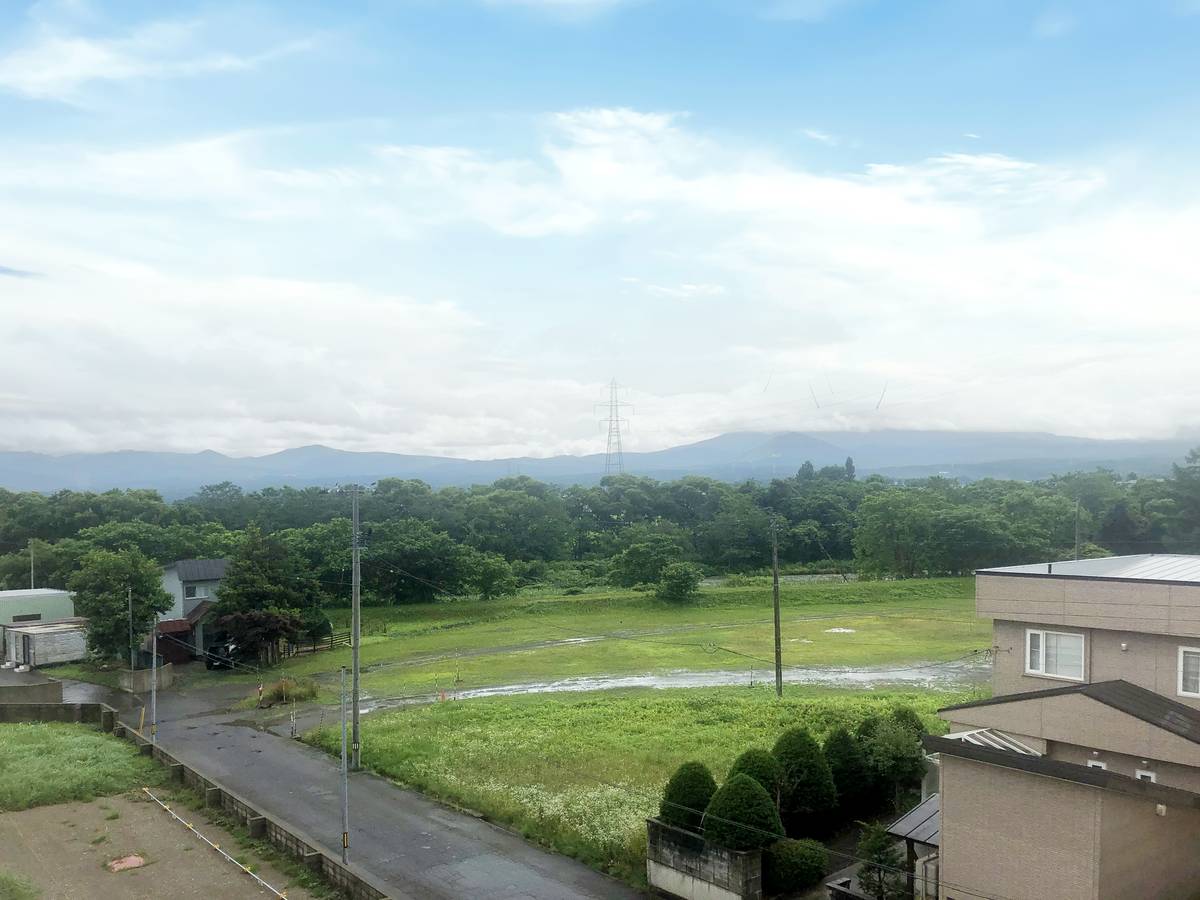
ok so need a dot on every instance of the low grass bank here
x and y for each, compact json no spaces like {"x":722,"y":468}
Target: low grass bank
{"x":45,"y":762}
{"x":95,"y":673}
{"x":579,"y":773}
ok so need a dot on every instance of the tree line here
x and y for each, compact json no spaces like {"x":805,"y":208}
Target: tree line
{"x":422,"y":543}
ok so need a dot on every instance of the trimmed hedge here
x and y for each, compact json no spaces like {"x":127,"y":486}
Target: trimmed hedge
{"x":687,"y":796}
{"x":762,"y":767}
{"x":742,"y":816}
{"x":808,"y":795}
{"x":790,"y":866}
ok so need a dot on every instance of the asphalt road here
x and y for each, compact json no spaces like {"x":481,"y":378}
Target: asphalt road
{"x":417,"y":847}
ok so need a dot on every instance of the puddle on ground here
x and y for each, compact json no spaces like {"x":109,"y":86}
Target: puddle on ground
{"x":940,"y":676}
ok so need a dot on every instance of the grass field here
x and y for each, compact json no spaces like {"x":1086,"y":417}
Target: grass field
{"x":52,"y":763}
{"x":580,"y":772}
{"x":536,"y":637}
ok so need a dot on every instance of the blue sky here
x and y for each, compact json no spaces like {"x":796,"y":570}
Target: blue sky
{"x":444,"y":225}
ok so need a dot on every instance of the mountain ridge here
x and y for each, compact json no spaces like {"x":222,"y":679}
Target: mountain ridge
{"x":733,"y":456}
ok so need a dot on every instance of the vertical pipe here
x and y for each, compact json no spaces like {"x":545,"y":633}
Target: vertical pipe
{"x":132,"y":649}
{"x":154,"y":683}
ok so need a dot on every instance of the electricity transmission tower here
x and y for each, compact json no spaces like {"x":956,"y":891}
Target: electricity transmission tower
{"x":614,"y":462}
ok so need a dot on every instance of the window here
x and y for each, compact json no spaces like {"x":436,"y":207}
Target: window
{"x":1145,"y":775}
{"x":1189,"y":671}
{"x":28,"y":617}
{"x":1059,"y":654}
{"x":1097,"y":764}
{"x":195,"y":591}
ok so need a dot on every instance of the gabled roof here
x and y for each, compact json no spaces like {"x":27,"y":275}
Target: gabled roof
{"x":1169,"y":568}
{"x":199,"y":611}
{"x":199,"y":569}
{"x":1162,"y":712}
{"x":990,"y":737}
{"x":1063,"y":771}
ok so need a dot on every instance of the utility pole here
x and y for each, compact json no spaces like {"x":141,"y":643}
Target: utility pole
{"x":355,"y":623}
{"x":345,"y":782}
{"x":132,"y":649}
{"x":1077,"y":528}
{"x":775,"y":595}
{"x":154,"y":683}
{"x":31,"y":584}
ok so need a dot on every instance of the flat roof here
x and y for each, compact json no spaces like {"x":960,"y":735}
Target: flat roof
{"x":46,"y":627}
{"x":32,"y":593}
{"x":1173,"y":568}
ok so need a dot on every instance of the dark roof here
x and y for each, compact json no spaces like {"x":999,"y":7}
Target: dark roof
{"x":199,"y":611}
{"x":174,"y":626}
{"x":922,"y":823}
{"x":199,"y":569}
{"x":1163,"y":712}
{"x":1064,"y":771}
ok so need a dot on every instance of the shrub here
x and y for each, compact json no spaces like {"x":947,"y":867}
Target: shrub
{"x":851,"y":776}
{"x":807,"y":795}
{"x":285,"y":690}
{"x":908,"y":719}
{"x":790,"y":866}
{"x":687,"y":795}
{"x":880,"y":875}
{"x":742,"y":816}
{"x":762,"y":767}
{"x":894,"y":758}
{"x":679,"y":583}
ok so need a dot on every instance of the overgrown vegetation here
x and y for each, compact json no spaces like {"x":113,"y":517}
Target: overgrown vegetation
{"x":14,"y":887}
{"x":45,"y":763}
{"x":580,"y":773}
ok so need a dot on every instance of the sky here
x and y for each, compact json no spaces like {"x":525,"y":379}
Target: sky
{"x":445,"y":226}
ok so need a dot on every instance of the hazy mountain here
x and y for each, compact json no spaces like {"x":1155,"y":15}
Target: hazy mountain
{"x":732,"y":457}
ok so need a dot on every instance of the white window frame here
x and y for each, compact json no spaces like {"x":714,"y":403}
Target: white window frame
{"x":1042,"y":673}
{"x":1097,"y":764}
{"x":1179,"y":673}
{"x":1149,"y":776}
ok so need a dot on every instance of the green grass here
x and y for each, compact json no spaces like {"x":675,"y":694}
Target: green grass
{"x":54,"y":763}
{"x":95,"y":673}
{"x":431,"y":647}
{"x":579,"y":773}
{"x":14,"y":887}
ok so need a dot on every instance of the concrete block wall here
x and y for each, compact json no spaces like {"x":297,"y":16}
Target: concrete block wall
{"x":350,"y":880}
{"x":683,"y":864}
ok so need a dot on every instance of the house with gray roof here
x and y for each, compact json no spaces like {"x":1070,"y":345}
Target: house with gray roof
{"x":1080,"y":777}
{"x":193,"y":585}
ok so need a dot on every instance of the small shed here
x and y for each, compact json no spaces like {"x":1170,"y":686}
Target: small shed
{"x":44,"y":643}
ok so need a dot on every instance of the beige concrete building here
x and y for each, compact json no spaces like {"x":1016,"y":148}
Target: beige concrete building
{"x":1080,"y":776}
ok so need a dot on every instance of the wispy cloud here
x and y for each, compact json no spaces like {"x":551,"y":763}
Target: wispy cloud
{"x":56,"y":64}
{"x":9,"y":272}
{"x":821,"y":137}
{"x":1053,"y":23}
{"x":564,"y":9}
{"x":970,"y":135}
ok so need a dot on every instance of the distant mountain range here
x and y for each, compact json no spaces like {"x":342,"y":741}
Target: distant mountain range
{"x":730,"y":457}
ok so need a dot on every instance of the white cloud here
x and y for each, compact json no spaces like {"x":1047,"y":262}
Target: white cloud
{"x":821,"y":137}
{"x":54,"y":64}
{"x":988,"y":290}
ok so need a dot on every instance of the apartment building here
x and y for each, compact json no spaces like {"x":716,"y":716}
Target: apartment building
{"x":1080,"y":776}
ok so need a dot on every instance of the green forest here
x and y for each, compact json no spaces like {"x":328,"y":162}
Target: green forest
{"x":422,"y":544}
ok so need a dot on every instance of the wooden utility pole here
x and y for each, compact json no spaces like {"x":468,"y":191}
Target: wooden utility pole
{"x":775,"y":593}
{"x":355,"y":627}
{"x":1077,"y":528}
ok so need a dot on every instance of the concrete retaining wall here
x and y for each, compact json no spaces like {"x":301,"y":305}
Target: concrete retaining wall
{"x":683,"y":864}
{"x":351,"y":880}
{"x":137,"y":681}
{"x":39,"y":692}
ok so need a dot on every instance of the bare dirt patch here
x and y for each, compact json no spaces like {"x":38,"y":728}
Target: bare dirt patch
{"x":64,"y":850}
